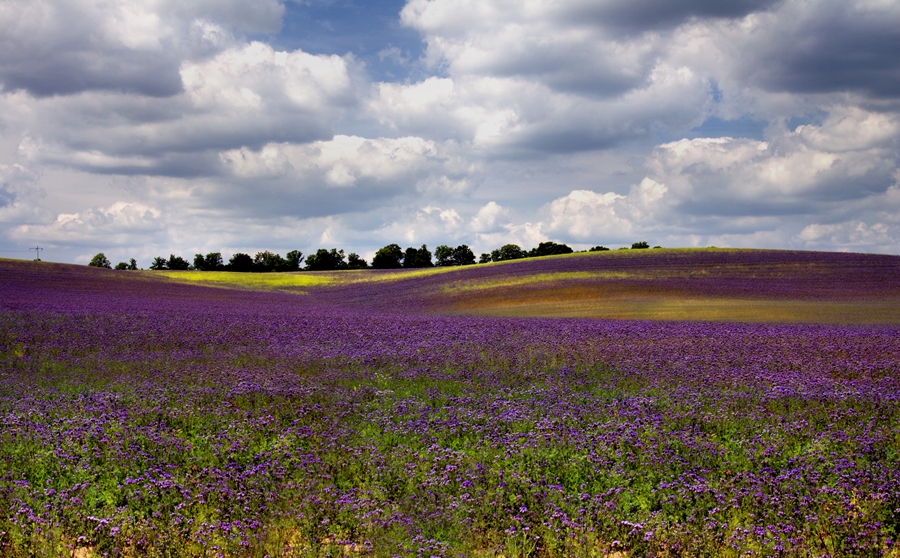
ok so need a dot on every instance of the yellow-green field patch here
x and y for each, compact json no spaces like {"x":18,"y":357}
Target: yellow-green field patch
{"x":255,"y":281}
{"x":691,"y":309}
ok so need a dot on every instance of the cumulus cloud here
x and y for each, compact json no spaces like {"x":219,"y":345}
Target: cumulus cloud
{"x":823,"y":47}
{"x":62,"y":47}
{"x":346,"y":173}
{"x":585,"y":215}
{"x":852,"y":156}
{"x":247,"y":95}
{"x":851,"y":235}
{"x":489,"y":217}
{"x":580,"y":121}
{"x":119,"y":223}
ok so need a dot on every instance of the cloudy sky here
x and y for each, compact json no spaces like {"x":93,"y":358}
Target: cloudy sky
{"x":144,"y":128}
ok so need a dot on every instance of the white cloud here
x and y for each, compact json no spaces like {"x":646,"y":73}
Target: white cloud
{"x":119,"y":223}
{"x":246,"y":77}
{"x":848,"y":157}
{"x":343,"y":160}
{"x":587,"y":216}
{"x":525,"y":235}
{"x":550,"y":110}
{"x":488,"y":217}
{"x":855,"y":235}
{"x":52,"y":47}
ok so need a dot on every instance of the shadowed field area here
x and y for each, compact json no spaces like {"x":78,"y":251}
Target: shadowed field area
{"x":696,"y":285}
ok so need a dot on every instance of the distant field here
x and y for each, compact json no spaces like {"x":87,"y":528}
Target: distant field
{"x":669,"y":284}
{"x":391,"y":414}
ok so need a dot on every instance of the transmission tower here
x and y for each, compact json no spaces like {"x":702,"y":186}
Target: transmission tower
{"x":37,"y":253}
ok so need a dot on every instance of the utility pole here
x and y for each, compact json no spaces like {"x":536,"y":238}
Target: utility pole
{"x":37,"y":253}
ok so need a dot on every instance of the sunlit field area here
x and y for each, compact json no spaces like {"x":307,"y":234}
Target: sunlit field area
{"x":633,"y":403}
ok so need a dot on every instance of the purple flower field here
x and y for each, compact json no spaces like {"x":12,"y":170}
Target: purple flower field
{"x":143,"y":417}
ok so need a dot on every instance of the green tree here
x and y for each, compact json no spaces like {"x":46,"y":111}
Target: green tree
{"x":443,"y":255}
{"x":159,"y":263}
{"x":199,"y":262}
{"x":508,"y":252}
{"x":484,"y":258}
{"x":463,"y":255}
{"x":389,"y":257}
{"x":121,"y":265}
{"x":213,"y":261}
{"x":549,"y":249}
{"x":100,"y":260}
{"x":417,"y":257}
{"x":293,"y":259}
{"x":268,"y":261}
{"x":599,"y":249}
{"x":447,"y":256}
{"x":356,"y":262}
{"x":240,"y":262}
{"x":177,"y":262}
{"x":132,"y":265}
{"x":325,"y":260}
{"x":640,"y":245}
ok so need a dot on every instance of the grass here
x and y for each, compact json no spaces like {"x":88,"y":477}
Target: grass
{"x":295,"y":280}
{"x":689,"y":309}
{"x":254,"y":281}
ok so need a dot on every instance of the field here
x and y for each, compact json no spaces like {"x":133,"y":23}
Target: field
{"x":634,"y":403}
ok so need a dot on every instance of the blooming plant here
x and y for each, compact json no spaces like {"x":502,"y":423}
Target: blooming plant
{"x":144,"y":417}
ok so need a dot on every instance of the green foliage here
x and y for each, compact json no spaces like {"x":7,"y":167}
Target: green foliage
{"x":269,"y":261}
{"x":121,"y":266}
{"x":177,"y":263}
{"x":484,"y":258}
{"x":463,"y":255}
{"x":420,"y":257}
{"x":389,"y":257}
{"x":549,"y":249}
{"x":508,"y":252}
{"x":325,"y":260}
{"x":444,"y":255}
{"x":294,"y":258}
{"x":354,"y":261}
{"x":159,"y":263}
{"x":640,"y":245}
{"x":447,"y":256}
{"x":100,"y":260}
{"x":599,"y":249}
{"x":240,"y":262}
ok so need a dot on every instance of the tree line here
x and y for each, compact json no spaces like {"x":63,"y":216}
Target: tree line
{"x":391,"y":256}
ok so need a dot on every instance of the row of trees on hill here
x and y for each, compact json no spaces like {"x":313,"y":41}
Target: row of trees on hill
{"x":391,"y":256}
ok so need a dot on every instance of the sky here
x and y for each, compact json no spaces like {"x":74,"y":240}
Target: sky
{"x":143,"y":128}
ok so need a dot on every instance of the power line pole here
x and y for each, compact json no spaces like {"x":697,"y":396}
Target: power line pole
{"x":37,"y":253}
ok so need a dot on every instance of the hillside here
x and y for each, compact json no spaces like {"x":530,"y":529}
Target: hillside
{"x":668,"y":284}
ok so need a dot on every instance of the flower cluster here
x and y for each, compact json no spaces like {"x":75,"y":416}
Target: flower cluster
{"x":144,"y":416}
